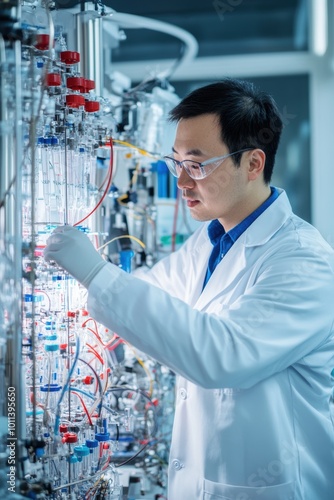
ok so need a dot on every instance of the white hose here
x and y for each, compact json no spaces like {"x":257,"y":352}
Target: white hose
{"x":128,"y":21}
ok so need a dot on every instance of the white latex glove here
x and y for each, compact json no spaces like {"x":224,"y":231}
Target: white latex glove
{"x":72,"y":250}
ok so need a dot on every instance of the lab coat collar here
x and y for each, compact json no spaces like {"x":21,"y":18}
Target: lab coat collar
{"x":268,"y":223}
{"x":258,"y":233}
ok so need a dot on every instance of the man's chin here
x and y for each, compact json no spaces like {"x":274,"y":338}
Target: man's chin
{"x":198,"y":217}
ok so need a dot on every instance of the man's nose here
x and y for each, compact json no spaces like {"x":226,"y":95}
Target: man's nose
{"x":185,"y":181}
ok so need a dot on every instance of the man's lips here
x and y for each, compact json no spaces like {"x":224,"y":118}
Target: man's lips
{"x":191,"y":203}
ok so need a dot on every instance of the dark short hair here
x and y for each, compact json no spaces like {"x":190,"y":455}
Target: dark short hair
{"x":248,"y":117}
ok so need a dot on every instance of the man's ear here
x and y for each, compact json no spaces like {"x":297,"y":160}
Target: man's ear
{"x":257,"y":160}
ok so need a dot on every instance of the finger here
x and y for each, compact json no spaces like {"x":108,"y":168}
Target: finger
{"x":48,"y":255}
{"x":55,"y":238}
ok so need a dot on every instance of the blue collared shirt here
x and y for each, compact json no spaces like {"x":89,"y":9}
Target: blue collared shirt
{"x":223,"y":241}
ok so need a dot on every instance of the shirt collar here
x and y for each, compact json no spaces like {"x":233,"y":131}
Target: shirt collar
{"x":216,"y":231}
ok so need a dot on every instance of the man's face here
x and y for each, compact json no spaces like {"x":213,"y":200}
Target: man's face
{"x":222,"y":194}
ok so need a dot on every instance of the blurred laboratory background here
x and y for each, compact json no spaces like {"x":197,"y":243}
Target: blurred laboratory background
{"x":283,"y":46}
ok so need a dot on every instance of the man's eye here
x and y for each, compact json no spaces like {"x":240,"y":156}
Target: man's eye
{"x":193,"y":166}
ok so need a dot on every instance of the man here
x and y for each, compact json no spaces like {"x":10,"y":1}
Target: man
{"x":243,"y":312}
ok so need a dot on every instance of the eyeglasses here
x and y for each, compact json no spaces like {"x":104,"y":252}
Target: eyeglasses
{"x":195,"y":169}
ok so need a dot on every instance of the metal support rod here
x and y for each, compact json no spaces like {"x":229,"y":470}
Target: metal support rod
{"x":90,"y":47}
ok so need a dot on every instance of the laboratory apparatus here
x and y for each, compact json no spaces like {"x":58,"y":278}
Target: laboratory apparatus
{"x":80,"y":409}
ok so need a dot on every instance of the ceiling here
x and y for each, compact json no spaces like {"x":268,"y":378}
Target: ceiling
{"x":221,"y":27}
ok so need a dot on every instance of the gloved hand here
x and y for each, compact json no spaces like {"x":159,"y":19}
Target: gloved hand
{"x":72,"y":250}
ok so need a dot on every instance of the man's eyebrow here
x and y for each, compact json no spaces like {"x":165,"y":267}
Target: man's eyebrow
{"x":193,"y":152}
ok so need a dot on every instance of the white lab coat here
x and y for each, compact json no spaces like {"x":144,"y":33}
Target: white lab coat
{"x":254,"y":354}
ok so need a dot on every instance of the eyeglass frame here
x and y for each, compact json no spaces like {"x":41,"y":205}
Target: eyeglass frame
{"x":215,"y":159}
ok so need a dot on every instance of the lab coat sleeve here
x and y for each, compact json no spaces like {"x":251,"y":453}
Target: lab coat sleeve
{"x":283,"y":316}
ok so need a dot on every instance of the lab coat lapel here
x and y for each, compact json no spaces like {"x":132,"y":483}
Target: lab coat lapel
{"x":225,"y":273}
{"x":243,"y":252}
{"x":198,"y":263}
